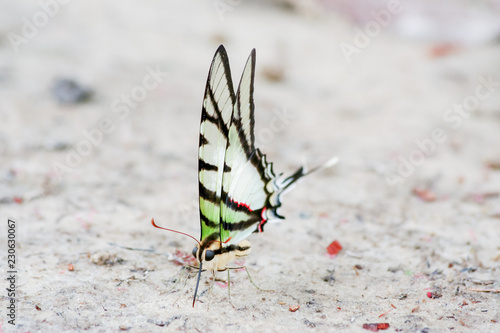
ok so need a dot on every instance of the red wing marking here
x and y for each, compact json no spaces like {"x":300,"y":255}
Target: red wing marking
{"x":259,"y":227}
{"x":241,"y":204}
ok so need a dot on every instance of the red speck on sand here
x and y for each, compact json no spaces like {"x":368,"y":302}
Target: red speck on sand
{"x":182,"y":258}
{"x":433,"y":294}
{"x":424,"y":194}
{"x":442,"y":50}
{"x":334,"y":248}
{"x":374,"y":327}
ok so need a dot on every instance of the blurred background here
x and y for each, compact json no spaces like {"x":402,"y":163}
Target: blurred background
{"x":90,"y":92}
{"x":100,"y":105}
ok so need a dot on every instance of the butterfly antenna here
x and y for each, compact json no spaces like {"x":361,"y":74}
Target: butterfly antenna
{"x":197,"y":284}
{"x":179,"y":232}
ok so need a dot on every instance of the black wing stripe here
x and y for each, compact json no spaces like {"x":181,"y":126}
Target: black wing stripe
{"x":202,"y":165}
{"x":203,"y":140}
{"x":243,"y":138}
{"x":230,"y":248}
{"x":217,"y":120}
{"x":233,"y":205}
{"x":259,"y":161}
{"x":227,"y":72}
{"x":247,"y":139}
{"x":208,"y":195}
{"x":207,"y":117}
{"x":209,"y":239}
{"x":252,"y":105}
{"x":233,"y":226}
{"x":207,"y":221}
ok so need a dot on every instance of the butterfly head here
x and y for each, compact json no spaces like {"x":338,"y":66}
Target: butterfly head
{"x":209,"y":254}
{"x":204,"y":255}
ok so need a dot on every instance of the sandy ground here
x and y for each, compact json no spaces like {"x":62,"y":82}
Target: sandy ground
{"x":413,"y":113}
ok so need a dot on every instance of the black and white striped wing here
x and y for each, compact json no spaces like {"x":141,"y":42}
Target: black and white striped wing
{"x":218,"y":106}
{"x":251,"y":190}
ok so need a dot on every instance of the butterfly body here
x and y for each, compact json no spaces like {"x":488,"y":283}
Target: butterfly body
{"x":221,"y":255}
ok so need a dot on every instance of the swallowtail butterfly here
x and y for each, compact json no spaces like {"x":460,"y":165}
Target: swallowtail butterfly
{"x":238,"y":189}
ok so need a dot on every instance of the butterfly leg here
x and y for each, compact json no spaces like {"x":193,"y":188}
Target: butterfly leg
{"x":228,"y":285}
{"x":229,"y":289}
{"x":211,"y":287}
{"x":180,"y":277}
{"x":250,"y":278}
{"x":183,"y":276}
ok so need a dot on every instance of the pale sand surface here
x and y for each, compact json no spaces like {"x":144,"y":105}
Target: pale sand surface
{"x":398,"y":244}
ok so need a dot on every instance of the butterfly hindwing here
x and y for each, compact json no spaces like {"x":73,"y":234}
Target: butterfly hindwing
{"x":239,"y":207}
{"x":250,"y":187}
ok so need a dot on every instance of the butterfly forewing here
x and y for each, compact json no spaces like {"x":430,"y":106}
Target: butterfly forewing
{"x":218,"y":105}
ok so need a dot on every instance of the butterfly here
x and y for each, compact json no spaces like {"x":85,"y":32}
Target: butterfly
{"x":238,"y":189}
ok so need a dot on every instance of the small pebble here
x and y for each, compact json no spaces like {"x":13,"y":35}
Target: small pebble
{"x":67,"y":91}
